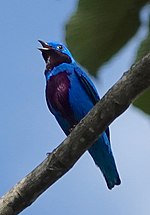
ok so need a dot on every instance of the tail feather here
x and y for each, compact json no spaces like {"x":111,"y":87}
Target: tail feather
{"x":103,"y":157}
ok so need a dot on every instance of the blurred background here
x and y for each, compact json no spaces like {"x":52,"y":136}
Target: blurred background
{"x":106,"y":38}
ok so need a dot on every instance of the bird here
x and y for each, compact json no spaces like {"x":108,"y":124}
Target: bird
{"x":70,"y":95}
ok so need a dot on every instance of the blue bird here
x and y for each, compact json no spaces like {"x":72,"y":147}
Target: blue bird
{"x":70,"y":95}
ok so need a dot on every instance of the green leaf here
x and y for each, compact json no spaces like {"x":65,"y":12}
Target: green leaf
{"x":143,"y":102}
{"x":144,"y":47}
{"x":100,"y":28}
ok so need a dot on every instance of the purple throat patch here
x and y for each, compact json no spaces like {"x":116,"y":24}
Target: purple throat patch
{"x":57,"y":95}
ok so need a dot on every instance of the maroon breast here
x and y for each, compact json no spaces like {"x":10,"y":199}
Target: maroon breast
{"x":57,"y":94}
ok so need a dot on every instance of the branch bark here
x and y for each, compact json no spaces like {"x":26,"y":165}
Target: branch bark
{"x":62,"y":159}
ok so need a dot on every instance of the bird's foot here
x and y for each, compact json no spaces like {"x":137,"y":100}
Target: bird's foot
{"x":71,"y":129}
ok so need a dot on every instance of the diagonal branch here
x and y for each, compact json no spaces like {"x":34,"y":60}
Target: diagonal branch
{"x":116,"y":101}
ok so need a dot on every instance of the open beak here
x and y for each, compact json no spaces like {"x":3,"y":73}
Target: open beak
{"x":45,"y":46}
{"x":46,"y":50}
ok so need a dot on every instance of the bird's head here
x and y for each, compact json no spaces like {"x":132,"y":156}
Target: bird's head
{"x":55,"y":54}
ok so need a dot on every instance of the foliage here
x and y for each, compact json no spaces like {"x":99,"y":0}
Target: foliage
{"x":99,"y":29}
{"x":143,"y":101}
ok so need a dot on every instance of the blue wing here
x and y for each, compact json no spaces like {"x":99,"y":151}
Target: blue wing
{"x":90,"y":89}
{"x":101,"y":150}
{"x":87,"y":85}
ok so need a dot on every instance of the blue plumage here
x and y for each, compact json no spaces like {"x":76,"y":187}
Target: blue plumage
{"x":70,"y":95}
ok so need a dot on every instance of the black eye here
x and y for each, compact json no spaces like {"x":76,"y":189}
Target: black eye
{"x":60,"y":47}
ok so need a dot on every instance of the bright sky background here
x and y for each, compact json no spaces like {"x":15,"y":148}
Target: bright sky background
{"x":28,"y":131}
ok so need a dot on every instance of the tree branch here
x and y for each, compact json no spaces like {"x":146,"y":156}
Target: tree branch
{"x":116,"y":101}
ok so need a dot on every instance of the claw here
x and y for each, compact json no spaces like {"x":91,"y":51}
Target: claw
{"x":71,"y":129}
